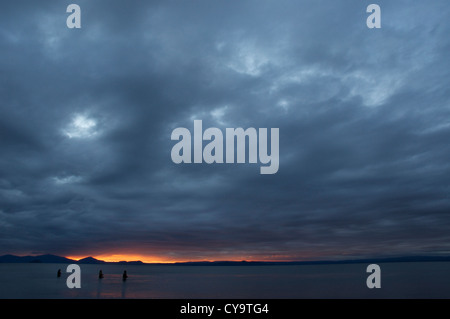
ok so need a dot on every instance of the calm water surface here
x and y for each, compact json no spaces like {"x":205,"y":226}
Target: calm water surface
{"x":398,"y":280}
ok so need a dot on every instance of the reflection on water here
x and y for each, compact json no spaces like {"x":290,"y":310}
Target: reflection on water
{"x":399,"y":280}
{"x":99,"y":288}
{"x":124,"y":289}
{"x":111,"y":286}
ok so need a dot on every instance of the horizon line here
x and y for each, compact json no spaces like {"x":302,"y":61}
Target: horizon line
{"x":331,"y":260}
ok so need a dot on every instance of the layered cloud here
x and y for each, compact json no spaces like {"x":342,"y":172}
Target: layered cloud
{"x":86,"y":118}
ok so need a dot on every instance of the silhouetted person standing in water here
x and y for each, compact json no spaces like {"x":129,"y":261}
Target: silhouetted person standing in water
{"x":124,"y":276}
{"x":59,"y":273}
{"x":100,"y":275}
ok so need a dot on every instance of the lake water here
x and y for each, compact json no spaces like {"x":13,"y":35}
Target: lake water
{"x":398,"y":280}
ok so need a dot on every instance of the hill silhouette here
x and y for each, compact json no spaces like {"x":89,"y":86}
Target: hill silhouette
{"x":34,"y":259}
{"x":90,"y":260}
{"x":48,"y":258}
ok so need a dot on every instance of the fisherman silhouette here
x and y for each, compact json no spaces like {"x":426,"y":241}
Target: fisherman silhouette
{"x":59,"y":273}
{"x":100,"y":274}
{"x":124,"y":276}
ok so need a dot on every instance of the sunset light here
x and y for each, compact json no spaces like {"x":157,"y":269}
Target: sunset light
{"x":243,"y":150}
{"x":128,"y":258}
{"x":164,"y":259}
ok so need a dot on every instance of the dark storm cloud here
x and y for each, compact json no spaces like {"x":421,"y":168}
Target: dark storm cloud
{"x":87,"y":116}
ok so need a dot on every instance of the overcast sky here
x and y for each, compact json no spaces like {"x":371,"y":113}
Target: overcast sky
{"x":87,"y":115}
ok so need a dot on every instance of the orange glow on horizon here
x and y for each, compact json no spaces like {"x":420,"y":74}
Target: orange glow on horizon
{"x":144,"y":259}
{"x":117,"y":258}
{"x":162,"y":259}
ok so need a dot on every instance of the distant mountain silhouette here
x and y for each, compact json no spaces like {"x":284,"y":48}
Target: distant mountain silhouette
{"x":91,"y":260}
{"x":60,"y":260}
{"x":51,"y":259}
{"x":318,"y":262}
{"x":35,"y":259}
